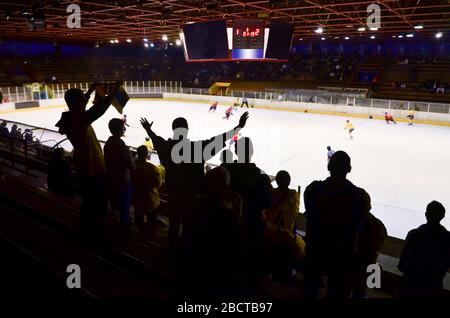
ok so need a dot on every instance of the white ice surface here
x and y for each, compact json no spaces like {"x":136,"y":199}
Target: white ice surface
{"x":403,"y":168}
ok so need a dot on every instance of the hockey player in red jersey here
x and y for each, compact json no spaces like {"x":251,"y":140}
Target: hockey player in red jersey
{"x":388,"y":118}
{"x":228,"y":113}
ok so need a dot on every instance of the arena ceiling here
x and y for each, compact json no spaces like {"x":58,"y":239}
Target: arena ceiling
{"x":137,"y":19}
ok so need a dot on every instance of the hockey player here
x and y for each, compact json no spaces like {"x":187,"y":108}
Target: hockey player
{"x":228,"y":113}
{"x":410,"y":117}
{"x":124,"y":119}
{"x":213,"y":107}
{"x":330,"y":153}
{"x":388,"y":118}
{"x":236,"y":105}
{"x":244,"y":101}
{"x":350,"y":128}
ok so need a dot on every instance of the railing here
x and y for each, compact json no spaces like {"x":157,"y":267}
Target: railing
{"x":50,"y":91}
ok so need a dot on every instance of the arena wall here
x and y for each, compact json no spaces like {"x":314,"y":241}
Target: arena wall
{"x":355,"y":111}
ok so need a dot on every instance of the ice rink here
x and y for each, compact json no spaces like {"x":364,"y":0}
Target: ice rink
{"x":403,"y":168}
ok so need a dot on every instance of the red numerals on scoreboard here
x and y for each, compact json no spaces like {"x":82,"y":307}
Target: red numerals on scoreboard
{"x":248,"y":33}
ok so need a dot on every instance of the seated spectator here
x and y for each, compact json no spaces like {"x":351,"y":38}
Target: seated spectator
{"x":285,"y":248}
{"x":426,"y":256}
{"x":371,"y":238}
{"x":59,"y":176}
{"x":148,"y":143}
{"x":285,"y":204}
{"x":4,"y":132}
{"x":145,"y":181}
{"x":212,"y":240}
{"x":335,"y":212}
{"x":393,"y":85}
{"x":118,"y":170}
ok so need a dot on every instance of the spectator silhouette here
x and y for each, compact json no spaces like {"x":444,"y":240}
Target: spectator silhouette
{"x":335,"y":211}
{"x":4,"y":132}
{"x":285,"y":204}
{"x":285,"y":248}
{"x":254,"y":187}
{"x":226,"y":158}
{"x":59,"y":176}
{"x":146,"y":180}
{"x":1,"y":97}
{"x":371,"y":238}
{"x":213,"y":239}
{"x":118,"y":170}
{"x":184,"y":161}
{"x":28,"y":136}
{"x":87,"y":154}
{"x":426,"y":256}
{"x":14,"y":133}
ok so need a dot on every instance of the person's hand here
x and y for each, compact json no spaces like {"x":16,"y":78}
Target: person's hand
{"x":146,"y":125}
{"x":93,"y":86}
{"x":243,"y":120}
{"x":115,"y":87}
{"x":100,"y":90}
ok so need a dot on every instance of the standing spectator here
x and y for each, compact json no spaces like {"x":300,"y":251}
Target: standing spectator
{"x":226,"y":158}
{"x":371,"y":238}
{"x":184,"y":172}
{"x":426,"y":256}
{"x":1,"y":97}
{"x":118,"y":170}
{"x":28,"y":136}
{"x":335,"y":211}
{"x":59,"y":176}
{"x":14,"y":132}
{"x":4,"y":132}
{"x":254,"y":187}
{"x":88,"y":157}
{"x":146,"y":180}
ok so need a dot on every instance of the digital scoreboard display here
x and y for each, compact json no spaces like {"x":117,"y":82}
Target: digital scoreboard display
{"x":237,"y":40}
{"x":248,"y":39}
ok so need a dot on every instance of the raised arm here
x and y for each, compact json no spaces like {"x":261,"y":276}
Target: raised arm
{"x":87,"y":95}
{"x":102,"y":104}
{"x":229,"y":134}
{"x":156,"y":140}
{"x":214,"y":145}
{"x":98,"y":109}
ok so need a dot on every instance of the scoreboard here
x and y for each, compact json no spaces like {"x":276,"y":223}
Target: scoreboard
{"x":246,"y":39}
{"x":248,"y":34}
